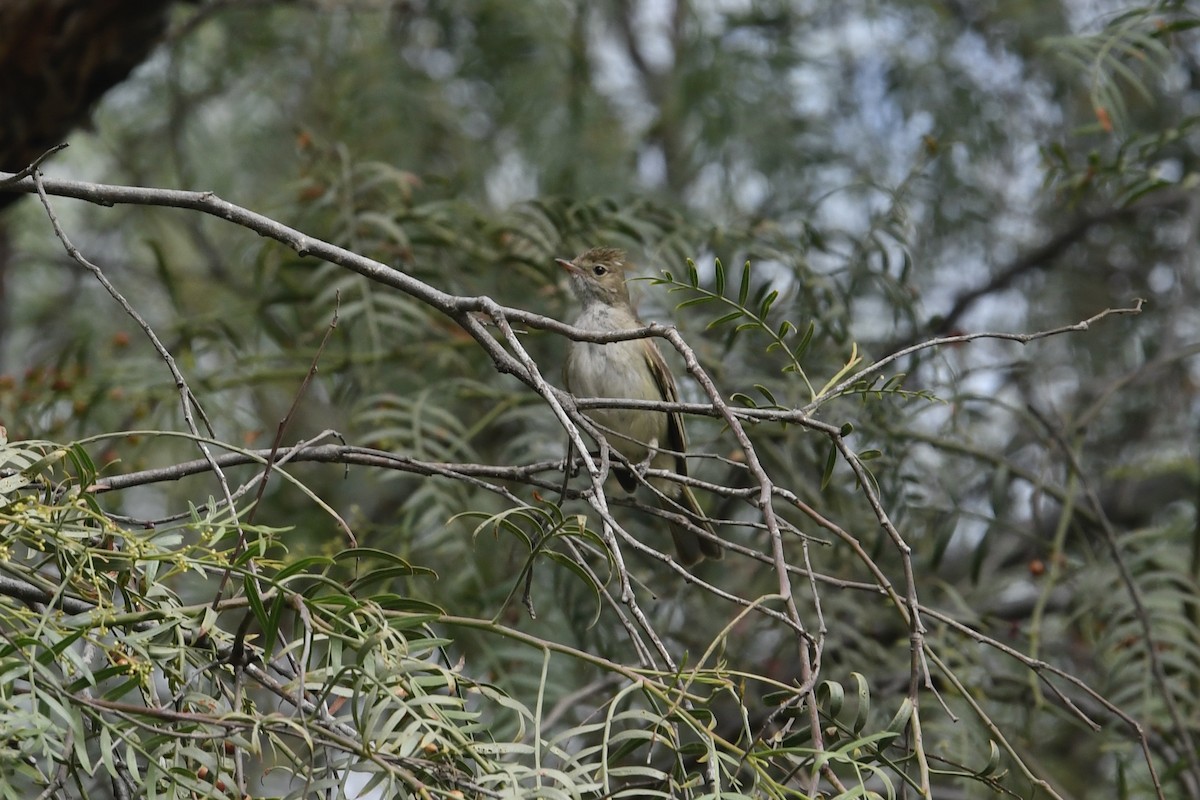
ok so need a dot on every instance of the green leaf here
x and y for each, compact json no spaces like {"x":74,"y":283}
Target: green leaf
{"x":47,"y":460}
{"x":744,"y":399}
{"x":337,"y":590}
{"x":695,"y":301}
{"x":830,"y":463}
{"x":719,"y":321}
{"x":899,"y":721}
{"x":802,"y":348}
{"x":863,"y":692}
{"x":12,"y":483}
{"x":572,"y":566}
{"x":85,"y":468}
{"x":371,"y":552}
{"x":767,"y":303}
{"x":271,"y":628}
{"x":993,"y":763}
{"x":765,"y":392}
{"x":254,"y":600}
{"x":720,"y":277}
{"x":307,"y":565}
{"x":395,"y":602}
{"x":378,"y":575}
{"x":744,"y":289}
{"x":834,"y":696}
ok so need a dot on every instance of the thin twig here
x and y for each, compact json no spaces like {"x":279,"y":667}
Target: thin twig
{"x":267,"y":467}
{"x":943,"y":341}
{"x":32,"y":167}
{"x":1042,"y":256}
{"x":187,"y":398}
{"x":1141,"y":613}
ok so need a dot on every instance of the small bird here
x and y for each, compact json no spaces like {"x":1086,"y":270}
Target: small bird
{"x":633,"y":370}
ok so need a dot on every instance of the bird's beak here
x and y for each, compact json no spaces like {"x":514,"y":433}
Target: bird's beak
{"x":567,"y":265}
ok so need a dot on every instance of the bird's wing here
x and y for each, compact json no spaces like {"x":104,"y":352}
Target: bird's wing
{"x":676,"y":436}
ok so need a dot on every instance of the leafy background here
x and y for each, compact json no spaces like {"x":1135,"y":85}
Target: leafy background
{"x":890,"y":172}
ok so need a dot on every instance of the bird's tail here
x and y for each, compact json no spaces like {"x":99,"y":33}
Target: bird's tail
{"x":691,"y":546}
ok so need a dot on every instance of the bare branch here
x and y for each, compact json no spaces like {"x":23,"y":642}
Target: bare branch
{"x":1041,"y":258}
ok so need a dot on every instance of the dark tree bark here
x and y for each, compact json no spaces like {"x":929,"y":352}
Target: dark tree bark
{"x":57,"y":58}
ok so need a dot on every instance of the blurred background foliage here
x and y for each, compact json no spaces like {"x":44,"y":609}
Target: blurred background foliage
{"x":895,"y":170}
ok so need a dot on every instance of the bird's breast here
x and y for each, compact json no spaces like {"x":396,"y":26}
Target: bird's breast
{"x":618,"y":370}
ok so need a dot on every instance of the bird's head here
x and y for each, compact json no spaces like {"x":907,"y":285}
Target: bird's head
{"x":598,"y":275}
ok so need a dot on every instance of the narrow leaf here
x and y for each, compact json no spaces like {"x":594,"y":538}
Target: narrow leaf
{"x":802,"y":348}
{"x":835,"y":695}
{"x":719,"y":321}
{"x":864,"y":703}
{"x":695,"y":301}
{"x":830,"y":463}
{"x":744,"y":289}
{"x":767,"y":394}
{"x":767,"y":303}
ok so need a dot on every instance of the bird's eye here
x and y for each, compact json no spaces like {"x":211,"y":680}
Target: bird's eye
{"x":599,"y":270}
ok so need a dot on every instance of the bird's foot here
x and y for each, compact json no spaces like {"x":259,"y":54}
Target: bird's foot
{"x":643,"y":466}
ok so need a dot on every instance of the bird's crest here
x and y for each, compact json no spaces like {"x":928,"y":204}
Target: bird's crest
{"x":613,"y":256}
